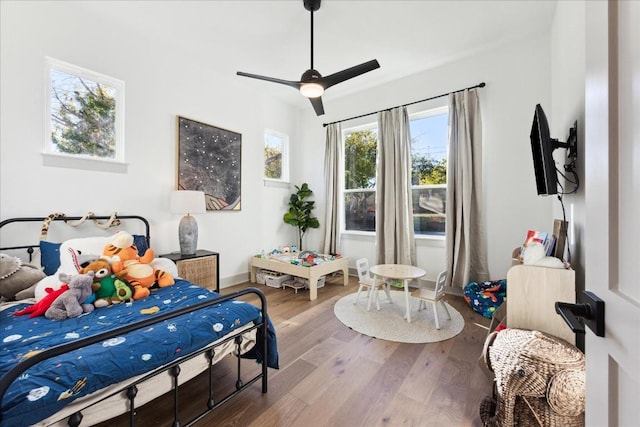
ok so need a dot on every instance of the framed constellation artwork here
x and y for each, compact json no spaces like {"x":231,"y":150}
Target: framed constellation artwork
{"x":209,"y":161}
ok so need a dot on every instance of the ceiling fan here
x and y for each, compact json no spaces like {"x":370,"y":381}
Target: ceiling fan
{"x":312,"y":84}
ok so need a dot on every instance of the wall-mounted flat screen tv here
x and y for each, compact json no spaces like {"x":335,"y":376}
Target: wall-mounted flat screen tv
{"x":542,"y":147}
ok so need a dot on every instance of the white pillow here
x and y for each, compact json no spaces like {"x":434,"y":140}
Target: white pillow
{"x":165,"y":264}
{"x":48,"y":282}
{"x":83,"y":246}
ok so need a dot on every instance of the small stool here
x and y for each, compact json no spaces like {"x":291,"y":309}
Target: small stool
{"x":293,"y":284}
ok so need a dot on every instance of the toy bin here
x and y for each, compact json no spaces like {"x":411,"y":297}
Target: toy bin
{"x":260,"y":275}
{"x":306,"y":282}
{"x":275,"y":280}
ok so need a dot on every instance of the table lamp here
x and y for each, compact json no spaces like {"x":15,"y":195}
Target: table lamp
{"x":188,"y":202}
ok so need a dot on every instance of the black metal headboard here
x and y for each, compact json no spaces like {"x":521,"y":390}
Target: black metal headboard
{"x":61,"y":217}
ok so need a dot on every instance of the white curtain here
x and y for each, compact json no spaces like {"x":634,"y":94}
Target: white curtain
{"x":394,"y":206}
{"x":466,"y":254}
{"x":332,"y":164}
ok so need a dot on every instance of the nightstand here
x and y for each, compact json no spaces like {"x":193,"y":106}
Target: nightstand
{"x":200,"y":268}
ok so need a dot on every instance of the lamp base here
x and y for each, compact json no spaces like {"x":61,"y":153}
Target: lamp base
{"x":188,"y":235}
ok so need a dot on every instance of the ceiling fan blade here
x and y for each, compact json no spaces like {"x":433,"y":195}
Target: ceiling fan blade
{"x":293,"y":84}
{"x":317,"y":105}
{"x":350,"y":73}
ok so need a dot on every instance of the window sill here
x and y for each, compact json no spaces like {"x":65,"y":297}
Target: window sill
{"x":86,"y":163}
{"x":372,"y":234}
{"x":435,"y":237}
{"x":276,"y":183}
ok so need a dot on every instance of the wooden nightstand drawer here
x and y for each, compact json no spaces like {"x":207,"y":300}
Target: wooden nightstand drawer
{"x":201,"y":271}
{"x":201,"y":268}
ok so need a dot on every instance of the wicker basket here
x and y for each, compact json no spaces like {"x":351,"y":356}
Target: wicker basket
{"x":539,"y":380}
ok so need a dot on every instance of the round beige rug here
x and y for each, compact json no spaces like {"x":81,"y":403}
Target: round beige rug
{"x":389,"y":324}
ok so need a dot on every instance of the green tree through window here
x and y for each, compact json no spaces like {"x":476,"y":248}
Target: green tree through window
{"x":360,"y":149}
{"x":272,"y":163}
{"x":276,"y":158}
{"x":429,"y":171}
{"x":360,"y":159}
{"x":83,"y":117}
{"x":429,"y":142}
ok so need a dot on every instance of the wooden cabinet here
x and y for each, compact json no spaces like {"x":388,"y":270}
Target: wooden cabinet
{"x":531,"y":296}
{"x":201,"y":268}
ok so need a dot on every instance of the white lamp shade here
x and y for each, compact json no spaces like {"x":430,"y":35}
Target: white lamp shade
{"x":187,"y":202}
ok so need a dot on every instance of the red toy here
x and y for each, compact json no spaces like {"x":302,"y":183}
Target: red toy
{"x":41,"y":306}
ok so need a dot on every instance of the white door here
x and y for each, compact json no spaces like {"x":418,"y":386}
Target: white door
{"x":612,"y":200}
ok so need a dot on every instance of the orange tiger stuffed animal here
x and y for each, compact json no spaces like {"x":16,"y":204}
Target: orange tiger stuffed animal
{"x":138,"y":271}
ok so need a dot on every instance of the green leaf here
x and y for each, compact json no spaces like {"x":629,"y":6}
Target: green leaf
{"x":299,"y":214}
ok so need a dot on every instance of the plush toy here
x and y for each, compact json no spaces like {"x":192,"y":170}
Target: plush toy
{"x":534,"y":254}
{"x":17,"y":280}
{"x":39,"y":308}
{"x":69,"y":303}
{"x":103,"y":288}
{"x":138,"y":271}
{"x":124,"y":291}
{"x":108,"y":289}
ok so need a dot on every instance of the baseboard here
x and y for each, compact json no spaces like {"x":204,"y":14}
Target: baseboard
{"x":227,"y":282}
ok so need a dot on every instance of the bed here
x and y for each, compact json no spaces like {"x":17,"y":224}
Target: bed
{"x":282,"y":264}
{"x":110,"y":361}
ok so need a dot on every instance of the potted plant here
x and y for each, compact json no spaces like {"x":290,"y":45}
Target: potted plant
{"x":299,"y":214}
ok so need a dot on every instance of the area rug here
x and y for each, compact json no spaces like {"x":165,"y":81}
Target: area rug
{"x":389,"y":324}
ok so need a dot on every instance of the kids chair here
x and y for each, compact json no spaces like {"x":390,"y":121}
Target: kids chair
{"x":434,"y":296}
{"x":373,"y":285}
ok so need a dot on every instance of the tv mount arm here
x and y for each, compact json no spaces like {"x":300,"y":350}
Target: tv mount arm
{"x":572,"y":153}
{"x":572,"y":142}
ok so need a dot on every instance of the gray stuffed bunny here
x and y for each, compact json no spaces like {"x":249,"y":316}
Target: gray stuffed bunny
{"x":69,"y":304}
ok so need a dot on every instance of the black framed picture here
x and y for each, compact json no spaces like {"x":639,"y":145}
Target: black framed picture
{"x":209,"y":160}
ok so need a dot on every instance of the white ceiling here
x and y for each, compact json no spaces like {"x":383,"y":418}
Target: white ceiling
{"x":272,"y":38}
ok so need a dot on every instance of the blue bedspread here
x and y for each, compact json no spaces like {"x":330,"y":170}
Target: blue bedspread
{"x":51,"y":384}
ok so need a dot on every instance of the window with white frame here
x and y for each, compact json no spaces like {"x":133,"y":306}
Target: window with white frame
{"x":429,"y":148}
{"x":85,"y":113}
{"x":276,"y":156}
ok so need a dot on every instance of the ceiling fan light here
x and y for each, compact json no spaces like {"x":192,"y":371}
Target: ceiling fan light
{"x":311,"y":90}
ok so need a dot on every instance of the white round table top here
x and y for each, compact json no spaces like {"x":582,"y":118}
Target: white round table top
{"x":397,"y":271}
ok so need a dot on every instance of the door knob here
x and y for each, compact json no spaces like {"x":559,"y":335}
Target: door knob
{"x":589,"y":311}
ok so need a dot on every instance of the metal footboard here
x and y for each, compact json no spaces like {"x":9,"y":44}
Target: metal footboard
{"x":173,"y":368}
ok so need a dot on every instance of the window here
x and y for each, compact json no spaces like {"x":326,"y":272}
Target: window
{"x":429,"y":147}
{"x":276,"y":156}
{"x":85,"y":113}
{"x":360,"y":149}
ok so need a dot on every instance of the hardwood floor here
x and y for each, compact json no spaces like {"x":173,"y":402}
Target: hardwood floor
{"x":332,"y":376}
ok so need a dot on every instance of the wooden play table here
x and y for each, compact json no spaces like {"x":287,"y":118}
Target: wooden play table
{"x":282,"y":264}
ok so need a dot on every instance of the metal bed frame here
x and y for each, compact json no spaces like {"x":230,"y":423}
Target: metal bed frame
{"x":173,"y":368}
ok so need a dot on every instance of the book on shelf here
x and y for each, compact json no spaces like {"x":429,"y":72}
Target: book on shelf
{"x":535,"y":236}
{"x":549,"y":245}
{"x":554,"y":243}
{"x":560,"y":233}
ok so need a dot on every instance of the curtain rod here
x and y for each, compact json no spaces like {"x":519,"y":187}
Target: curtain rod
{"x":481,"y":84}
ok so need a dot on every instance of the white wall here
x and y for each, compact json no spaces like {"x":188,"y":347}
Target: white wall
{"x":517,"y":77}
{"x":568,"y":105}
{"x":162,"y":81}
